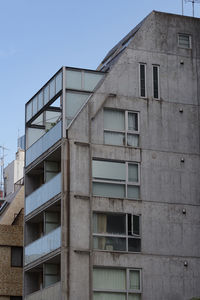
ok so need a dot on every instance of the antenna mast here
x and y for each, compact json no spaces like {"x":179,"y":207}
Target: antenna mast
{"x":2,"y":168}
{"x":193,"y":2}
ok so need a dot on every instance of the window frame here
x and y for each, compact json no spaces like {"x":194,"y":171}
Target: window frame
{"x":126,"y":131}
{"x":123,"y":236}
{"x":145,"y":80}
{"x":153,"y":85}
{"x":127,"y":290}
{"x":125,"y":183}
{"x":11,"y":257}
{"x":186,"y":35}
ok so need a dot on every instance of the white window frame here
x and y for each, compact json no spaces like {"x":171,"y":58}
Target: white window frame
{"x":124,"y":236}
{"x":127,"y":291}
{"x":158,"y":71}
{"x":145,"y":80}
{"x":126,"y":131}
{"x":190,"y":40}
{"x":126,"y":183}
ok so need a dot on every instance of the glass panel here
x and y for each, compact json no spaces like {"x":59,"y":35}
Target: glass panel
{"x":132,"y":140}
{"x":114,"y":138}
{"x":136,"y":225}
{"x":51,"y":166}
{"x":50,"y":279}
{"x":74,"y":102}
{"x":110,"y":243}
{"x":109,"y":223}
{"x":132,"y":173}
{"x":29,"y":112}
{"x":133,"y":191}
{"x":108,"y":190}
{"x":58,"y":82}
{"x":40,"y":100}
{"x":46,"y":94}
{"x":52,"y":88}
{"x":134,"y":279}
{"x":52,"y":117}
{"x":184,"y":40}
{"x":34,"y":105}
{"x":43,"y":246}
{"x":73,"y":79}
{"x":32,"y":135}
{"x":114,"y":120}
{"x":109,"y":296}
{"x":52,"y":217}
{"x":133,"y":121}
{"x":50,"y":226}
{"x":134,"y":245}
{"x":44,"y":143}
{"x":51,"y":269}
{"x":43,"y":194}
{"x":91,"y":80}
{"x":142,"y":80}
{"x":155,"y":82}
{"x":109,"y":279}
{"x":108,"y":170}
{"x":38,"y":120}
{"x":134,"y":297}
{"x":49,"y":176}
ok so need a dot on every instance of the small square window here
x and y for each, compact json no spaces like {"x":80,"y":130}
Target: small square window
{"x":16,"y":257}
{"x":184,"y":40}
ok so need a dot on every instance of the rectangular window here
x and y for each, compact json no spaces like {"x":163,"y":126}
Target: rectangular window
{"x":116,"y":232}
{"x":142,"y":72}
{"x":115,"y":179}
{"x":113,"y":284}
{"x":156,"y":91}
{"x":121,"y":127}
{"x":16,"y":256}
{"x":184,"y":41}
{"x":51,"y":274}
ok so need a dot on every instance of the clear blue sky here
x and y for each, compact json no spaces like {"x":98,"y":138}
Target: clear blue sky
{"x":37,"y":37}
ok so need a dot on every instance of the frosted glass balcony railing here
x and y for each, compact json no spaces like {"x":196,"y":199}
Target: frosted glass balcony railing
{"x":43,"y":144}
{"x":43,"y":194}
{"x":43,"y":246}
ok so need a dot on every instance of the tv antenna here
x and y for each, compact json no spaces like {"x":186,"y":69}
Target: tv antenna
{"x":193,"y":2}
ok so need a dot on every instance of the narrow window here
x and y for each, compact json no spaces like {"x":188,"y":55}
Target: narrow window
{"x":156,"y":82}
{"x":184,"y":40}
{"x":51,"y":274}
{"x":142,"y":80}
{"x":16,"y":256}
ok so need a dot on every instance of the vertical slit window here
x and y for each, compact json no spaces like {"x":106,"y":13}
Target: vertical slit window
{"x":156,"y":82}
{"x":142,"y":80}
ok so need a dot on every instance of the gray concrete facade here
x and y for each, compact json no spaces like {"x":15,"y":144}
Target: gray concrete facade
{"x":169,"y":170}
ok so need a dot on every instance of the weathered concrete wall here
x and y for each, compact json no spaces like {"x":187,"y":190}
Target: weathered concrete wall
{"x":169,"y":131}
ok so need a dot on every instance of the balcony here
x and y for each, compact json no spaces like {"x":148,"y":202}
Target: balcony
{"x":43,"y":143}
{"x":43,"y":246}
{"x":50,"y":293}
{"x":43,"y":194}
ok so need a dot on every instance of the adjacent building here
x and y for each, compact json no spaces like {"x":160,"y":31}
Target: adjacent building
{"x":11,"y":231}
{"x":112,"y":172}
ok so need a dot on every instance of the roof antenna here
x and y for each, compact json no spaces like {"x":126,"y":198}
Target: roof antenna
{"x":193,"y":2}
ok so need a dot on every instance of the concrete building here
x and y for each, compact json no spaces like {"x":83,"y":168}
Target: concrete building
{"x":11,"y":231}
{"x":112,"y":172}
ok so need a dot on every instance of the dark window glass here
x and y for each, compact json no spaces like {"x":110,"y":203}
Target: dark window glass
{"x":142,"y":81}
{"x":116,"y":224}
{"x":15,"y":297}
{"x":134,"y":245}
{"x":133,"y":225}
{"x":16,"y":256}
{"x":155,"y":82}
